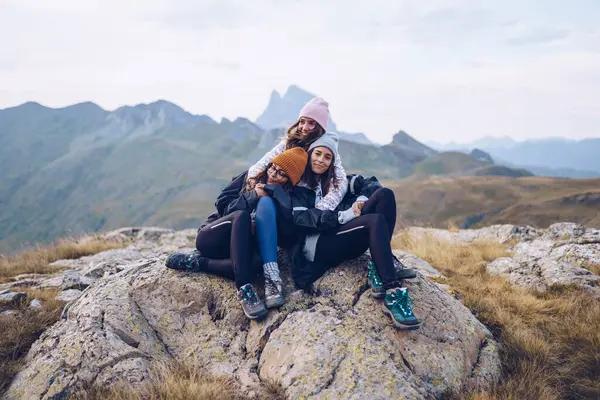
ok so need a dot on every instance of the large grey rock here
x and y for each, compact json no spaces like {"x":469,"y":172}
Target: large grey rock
{"x":497,"y":233}
{"x":336,"y":345}
{"x":560,"y":254}
{"x":9,"y":298}
{"x":69,"y":295}
{"x":35,"y":304}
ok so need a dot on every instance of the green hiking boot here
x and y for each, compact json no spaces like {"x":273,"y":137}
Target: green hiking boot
{"x":251,"y":304}
{"x":375,"y":282}
{"x":397,"y":305}
{"x":187,"y":261}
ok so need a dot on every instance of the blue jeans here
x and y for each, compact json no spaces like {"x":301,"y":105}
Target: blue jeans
{"x":266,"y":229}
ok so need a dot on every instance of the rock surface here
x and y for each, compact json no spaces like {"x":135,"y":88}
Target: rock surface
{"x":9,"y":298}
{"x":560,"y":254}
{"x":336,"y":345}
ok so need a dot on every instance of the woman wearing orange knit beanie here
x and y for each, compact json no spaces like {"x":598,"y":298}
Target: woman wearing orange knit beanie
{"x":224,"y":244}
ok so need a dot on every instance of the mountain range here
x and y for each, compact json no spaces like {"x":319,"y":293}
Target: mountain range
{"x":282,"y":111}
{"x":557,"y":157}
{"x":82,"y":168}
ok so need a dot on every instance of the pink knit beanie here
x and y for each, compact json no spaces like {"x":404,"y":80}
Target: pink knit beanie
{"x":317,"y":109}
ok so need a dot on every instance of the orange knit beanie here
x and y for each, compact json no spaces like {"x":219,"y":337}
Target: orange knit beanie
{"x":293,"y":162}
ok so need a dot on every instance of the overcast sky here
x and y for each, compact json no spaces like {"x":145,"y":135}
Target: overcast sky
{"x":440,"y":70}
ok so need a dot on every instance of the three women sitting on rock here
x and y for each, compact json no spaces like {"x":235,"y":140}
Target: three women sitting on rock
{"x":301,"y":202}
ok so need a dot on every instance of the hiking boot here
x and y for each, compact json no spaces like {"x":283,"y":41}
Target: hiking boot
{"x":397,"y":305}
{"x":375,"y":282}
{"x":402,"y":272}
{"x":251,"y":304}
{"x":273,"y":293}
{"x":190,"y":261}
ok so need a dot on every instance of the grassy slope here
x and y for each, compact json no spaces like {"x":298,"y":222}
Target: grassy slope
{"x":536,"y":201}
{"x":549,"y":341}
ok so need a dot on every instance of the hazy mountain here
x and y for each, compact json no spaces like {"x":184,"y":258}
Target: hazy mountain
{"x":552,"y":153}
{"x":482,"y":156}
{"x":455,"y":164}
{"x":81,"y":168}
{"x":557,"y":157}
{"x":483,"y":143}
{"x":282,"y":111}
{"x":404,"y":141}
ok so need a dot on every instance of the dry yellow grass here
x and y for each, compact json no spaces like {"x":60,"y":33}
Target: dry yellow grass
{"x":36,"y":260}
{"x":22,"y":328}
{"x":488,"y":200}
{"x":595,"y":268}
{"x":180,"y":381}
{"x":550,"y":342}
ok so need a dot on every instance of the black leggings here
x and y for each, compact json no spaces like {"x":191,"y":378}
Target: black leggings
{"x":229,"y":246}
{"x":372,"y":230}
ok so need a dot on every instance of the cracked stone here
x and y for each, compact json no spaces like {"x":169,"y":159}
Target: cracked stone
{"x":337,"y":344}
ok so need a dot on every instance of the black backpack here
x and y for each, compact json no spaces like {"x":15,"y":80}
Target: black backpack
{"x":358,"y":185}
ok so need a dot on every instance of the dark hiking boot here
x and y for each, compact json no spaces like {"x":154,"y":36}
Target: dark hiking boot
{"x":273,"y":293}
{"x":375,"y":282}
{"x":188,"y":261}
{"x":397,"y":305}
{"x":251,"y":304}
{"x":402,"y":272}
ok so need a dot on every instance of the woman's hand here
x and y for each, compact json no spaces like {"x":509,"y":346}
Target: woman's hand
{"x":357,"y":207}
{"x":260,"y":190}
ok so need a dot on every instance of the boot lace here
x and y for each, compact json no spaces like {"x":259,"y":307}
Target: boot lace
{"x":250,"y":295}
{"x":404,"y":301}
{"x":375,"y":278}
{"x":271,"y":288}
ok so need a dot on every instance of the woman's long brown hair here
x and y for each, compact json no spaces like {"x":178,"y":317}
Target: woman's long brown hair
{"x":295,"y":139}
{"x":329,"y":176}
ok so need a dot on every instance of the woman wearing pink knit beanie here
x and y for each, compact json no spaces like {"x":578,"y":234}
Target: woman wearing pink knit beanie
{"x":311,"y":124}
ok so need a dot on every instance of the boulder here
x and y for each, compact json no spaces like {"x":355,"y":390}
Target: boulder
{"x":498,"y":233}
{"x":69,"y":295}
{"x":9,"y":298}
{"x":35,"y":304}
{"x":337,"y":344}
{"x":558,"y":255}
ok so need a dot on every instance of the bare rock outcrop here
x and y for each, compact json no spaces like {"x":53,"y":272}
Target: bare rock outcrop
{"x":338,"y":344}
{"x":564,"y":253}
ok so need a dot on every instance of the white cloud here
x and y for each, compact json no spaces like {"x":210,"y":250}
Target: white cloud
{"x":540,"y":35}
{"x":441,"y":70}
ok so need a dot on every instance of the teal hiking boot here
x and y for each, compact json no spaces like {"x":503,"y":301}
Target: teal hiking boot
{"x":250,"y":302}
{"x":375,"y":282}
{"x":397,"y":305}
{"x":187,"y":261}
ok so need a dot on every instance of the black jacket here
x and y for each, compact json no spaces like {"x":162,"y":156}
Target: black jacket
{"x":308,"y":219}
{"x":358,"y":185}
{"x":233,"y":198}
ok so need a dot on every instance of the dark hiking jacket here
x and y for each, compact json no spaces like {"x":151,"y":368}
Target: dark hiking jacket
{"x":309,"y":220}
{"x":233,"y":198}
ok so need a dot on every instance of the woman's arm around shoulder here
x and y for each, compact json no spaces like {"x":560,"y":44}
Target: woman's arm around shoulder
{"x":261,"y":164}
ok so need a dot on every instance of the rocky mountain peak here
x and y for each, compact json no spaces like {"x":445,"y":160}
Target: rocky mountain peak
{"x":159,"y":111}
{"x":482,"y":156}
{"x":404,"y":140}
{"x":282,"y":111}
